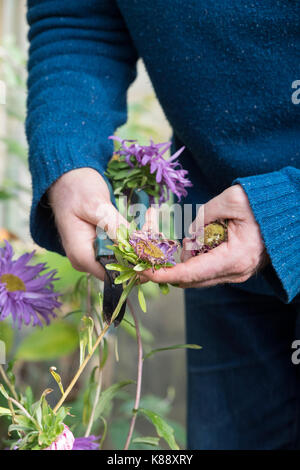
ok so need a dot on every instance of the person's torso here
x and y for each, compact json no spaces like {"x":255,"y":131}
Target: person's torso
{"x":223,"y":73}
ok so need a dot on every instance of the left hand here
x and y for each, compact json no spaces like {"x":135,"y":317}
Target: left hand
{"x":234,"y":261}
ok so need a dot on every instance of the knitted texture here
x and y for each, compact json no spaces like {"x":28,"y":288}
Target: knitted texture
{"x":223,"y":72}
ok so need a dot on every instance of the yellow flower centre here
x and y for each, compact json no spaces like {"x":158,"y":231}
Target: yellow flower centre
{"x":149,"y":249}
{"x":12,"y":282}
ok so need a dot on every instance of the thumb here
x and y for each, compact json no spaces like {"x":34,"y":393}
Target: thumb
{"x":217,"y":208}
{"x":107,"y":218}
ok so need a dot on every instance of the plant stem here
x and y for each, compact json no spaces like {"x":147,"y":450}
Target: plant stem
{"x":97,"y":394}
{"x":99,"y":339}
{"x":8,"y":383}
{"x":139,"y":376}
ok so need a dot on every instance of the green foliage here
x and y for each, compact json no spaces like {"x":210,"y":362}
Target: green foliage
{"x":108,"y":395}
{"x":170,"y":348}
{"x":35,"y":424}
{"x":56,"y":340}
{"x":86,"y":329}
{"x":89,"y":397}
{"x":151,"y":441}
{"x":164,"y":288}
{"x":124,"y":177}
{"x":163,"y":429}
{"x":57,"y":379}
{"x":141,"y":299}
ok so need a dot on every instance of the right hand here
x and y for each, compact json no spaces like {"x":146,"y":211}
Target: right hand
{"x":80,"y":201}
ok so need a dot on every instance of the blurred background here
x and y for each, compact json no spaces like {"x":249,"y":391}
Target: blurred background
{"x":163,"y":325}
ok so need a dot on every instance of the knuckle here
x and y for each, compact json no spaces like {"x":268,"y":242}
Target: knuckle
{"x":236,"y":195}
{"x":89,"y":205}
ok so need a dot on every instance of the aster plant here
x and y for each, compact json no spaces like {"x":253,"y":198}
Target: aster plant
{"x":37,"y":426}
{"x":144,"y":167}
{"x":139,"y":250}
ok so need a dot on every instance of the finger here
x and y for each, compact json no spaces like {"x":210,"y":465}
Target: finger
{"x":151,"y":220}
{"x":227,"y":205}
{"x":234,"y":278}
{"x":216,"y":263}
{"x":78,"y":238}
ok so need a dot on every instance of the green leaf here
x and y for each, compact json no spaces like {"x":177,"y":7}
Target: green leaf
{"x":104,"y":354}
{"x":86,"y":329}
{"x":3,"y":391}
{"x":124,"y":277}
{"x":176,"y":346}
{"x":56,"y":340}
{"x":108,"y":395}
{"x":151,"y":441}
{"x":141,"y":267}
{"x":163,"y":429}
{"x":125,"y":173}
{"x":122,"y":233}
{"x":57,"y":379}
{"x":164,"y":288}
{"x":142,"y":300}
{"x":4,"y":411}
{"x":117,"y":267}
{"x":88,"y":398}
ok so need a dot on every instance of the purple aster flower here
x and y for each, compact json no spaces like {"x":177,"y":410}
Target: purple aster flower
{"x":169,"y":174}
{"x":25,"y":294}
{"x":86,"y":443}
{"x":154,"y":248}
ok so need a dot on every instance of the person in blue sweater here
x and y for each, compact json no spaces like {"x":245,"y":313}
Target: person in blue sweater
{"x":226,"y":73}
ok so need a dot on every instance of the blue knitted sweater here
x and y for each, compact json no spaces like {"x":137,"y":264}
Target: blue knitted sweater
{"x":225,"y":73}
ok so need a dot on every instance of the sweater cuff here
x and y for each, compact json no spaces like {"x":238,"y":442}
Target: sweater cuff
{"x":51,"y":162}
{"x":274,"y":199}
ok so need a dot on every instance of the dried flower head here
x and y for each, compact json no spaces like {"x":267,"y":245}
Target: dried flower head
{"x":210,"y":237}
{"x":154,"y":248}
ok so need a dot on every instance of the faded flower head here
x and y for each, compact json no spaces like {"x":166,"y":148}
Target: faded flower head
{"x":25,"y":293}
{"x":211,"y":236}
{"x":64,"y":441}
{"x":169,"y":174}
{"x":154,"y":248}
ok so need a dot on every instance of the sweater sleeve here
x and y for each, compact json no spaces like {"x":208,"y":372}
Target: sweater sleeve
{"x":81,"y":63}
{"x":275,"y":201}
